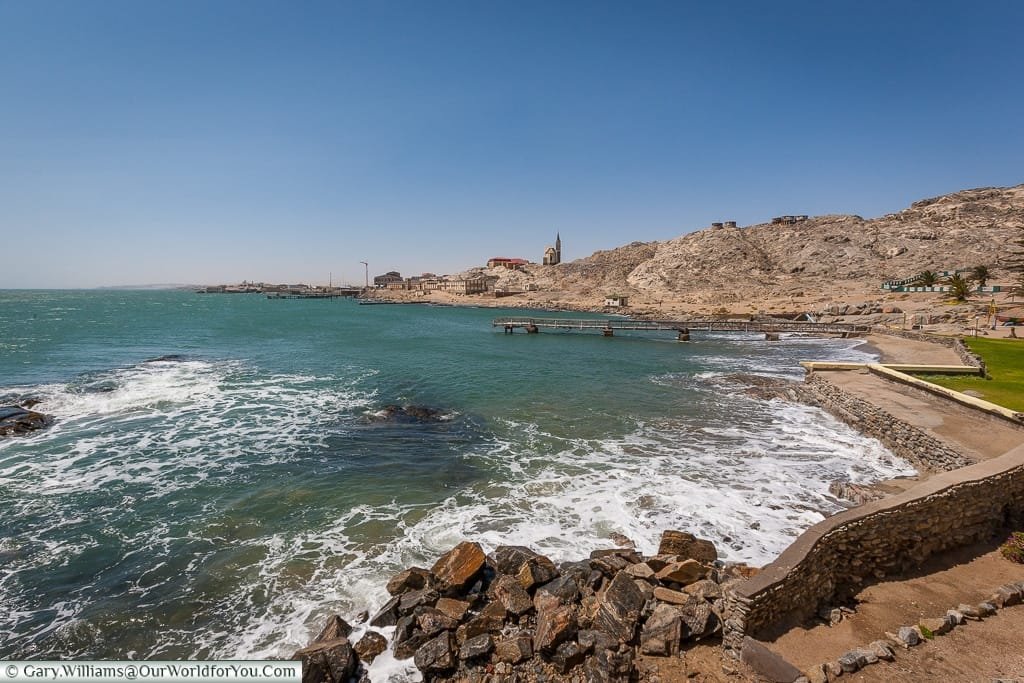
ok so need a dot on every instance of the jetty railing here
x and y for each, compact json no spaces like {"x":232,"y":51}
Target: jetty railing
{"x":688,"y":325}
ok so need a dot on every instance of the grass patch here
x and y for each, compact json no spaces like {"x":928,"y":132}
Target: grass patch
{"x":1005,"y":361}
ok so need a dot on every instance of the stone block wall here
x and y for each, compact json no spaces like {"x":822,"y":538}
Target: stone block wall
{"x":923,"y":450}
{"x":831,"y":561}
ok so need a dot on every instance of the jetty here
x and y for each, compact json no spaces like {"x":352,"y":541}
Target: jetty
{"x":771,"y":327}
{"x":336,"y":293}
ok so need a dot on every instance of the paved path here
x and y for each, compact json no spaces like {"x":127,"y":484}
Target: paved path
{"x":900,"y":350}
{"x":976,"y":435}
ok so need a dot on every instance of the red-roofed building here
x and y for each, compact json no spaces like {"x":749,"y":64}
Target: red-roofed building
{"x":510,"y":263}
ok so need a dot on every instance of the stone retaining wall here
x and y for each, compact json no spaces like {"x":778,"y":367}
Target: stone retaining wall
{"x":832,"y":560}
{"x":923,"y":450}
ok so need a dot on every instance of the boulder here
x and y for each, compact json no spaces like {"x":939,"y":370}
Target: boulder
{"x":478,"y":626}
{"x":535,"y":571}
{"x":458,"y":568}
{"x":480,"y":646}
{"x":455,"y":609}
{"x":387,"y":615}
{"x":698,"y":617}
{"x":567,"y":656}
{"x":687,"y":546}
{"x":432,"y":621}
{"x":511,"y":594}
{"x":706,"y":589}
{"x":437,"y":655}
{"x":411,"y":579}
{"x":670,"y":596}
{"x":882,"y":650}
{"x":662,"y":632}
{"x":407,"y":414}
{"x":853,"y":661}
{"x":641,"y":570}
{"x":507,"y":559}
{"x":330,"y":661}
{"x":969,"y":612}
{"x":554,"y":626}
{"x":609,"y":565}
{"x":514,"y":649}
{"x":409,"y":602}
{"x":683,"y":573}
{"x":336,"y":627}
{"x":619,"y":608}
{"x":370,"y":645}
{"x":560,"y":591}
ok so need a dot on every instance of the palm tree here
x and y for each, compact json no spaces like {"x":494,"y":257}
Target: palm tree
{"x":959,"y":287}
{"x":928,"y":278}
{"x":981,"y":275}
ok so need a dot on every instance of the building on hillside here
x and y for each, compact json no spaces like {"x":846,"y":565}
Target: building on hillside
{"x":553,"y":255}
{"x":788,"y":220}
{"x":510,"y":263}
{"x":470,"y":285}
{"x":387,"y":278}
{"x":616,"y":301}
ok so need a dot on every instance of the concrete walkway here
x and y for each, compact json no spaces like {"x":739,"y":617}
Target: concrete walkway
{"x":976,"y":435}
{"x":900,"y":350}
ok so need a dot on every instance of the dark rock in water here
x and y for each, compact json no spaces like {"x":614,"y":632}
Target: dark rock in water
{"x":408,"y":414}
{"x":370,"y":645}
{"x":169,"y":358}
{"x":412,"y":579}
{"x":457,"y":569}
{"x":16,"y":420}
{"x":855,"y":493}
{"x":437,"y":655}
{"x":388,"y":614}
{"x":332,"y":661}
{"x":336,"y":628}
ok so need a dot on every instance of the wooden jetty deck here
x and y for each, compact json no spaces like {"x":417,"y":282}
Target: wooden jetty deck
{"x":770,"y":328}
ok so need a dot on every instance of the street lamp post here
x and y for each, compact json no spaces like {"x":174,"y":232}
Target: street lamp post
{"x":367,"y":268}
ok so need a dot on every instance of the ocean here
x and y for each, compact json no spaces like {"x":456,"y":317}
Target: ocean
{"x":219,"y":479}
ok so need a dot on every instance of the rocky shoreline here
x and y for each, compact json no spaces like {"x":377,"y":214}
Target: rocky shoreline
{"x":514,"y":615}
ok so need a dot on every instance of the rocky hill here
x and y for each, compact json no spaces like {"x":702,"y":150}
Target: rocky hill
{"x":801,"y":264}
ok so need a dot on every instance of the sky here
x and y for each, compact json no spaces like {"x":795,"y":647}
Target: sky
{"x":216,"y":141}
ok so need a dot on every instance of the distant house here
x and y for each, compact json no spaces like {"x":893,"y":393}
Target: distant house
{"x":387,"y":278}
{"x":510,"y":263}
{"x":471,"y":285}
{"x":616,"y":301}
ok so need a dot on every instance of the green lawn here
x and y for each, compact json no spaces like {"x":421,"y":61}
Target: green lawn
{"x":1005,"y":361}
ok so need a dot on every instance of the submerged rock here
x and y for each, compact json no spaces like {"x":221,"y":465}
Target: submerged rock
{"x":412,"y":414}
{"x":17,"y":420}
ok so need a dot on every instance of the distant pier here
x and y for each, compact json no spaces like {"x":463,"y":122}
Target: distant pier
{"x":770,"y":328}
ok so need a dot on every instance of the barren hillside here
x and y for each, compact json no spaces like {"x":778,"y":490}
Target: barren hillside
{"x":811,"y":262}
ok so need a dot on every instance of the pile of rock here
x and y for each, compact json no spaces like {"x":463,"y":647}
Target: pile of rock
{"x":514,"y":613}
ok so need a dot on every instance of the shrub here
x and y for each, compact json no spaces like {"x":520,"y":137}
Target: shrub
{"x":1013,"y":549}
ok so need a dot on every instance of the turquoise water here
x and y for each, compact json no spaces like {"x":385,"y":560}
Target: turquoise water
{"x":222,"y":502}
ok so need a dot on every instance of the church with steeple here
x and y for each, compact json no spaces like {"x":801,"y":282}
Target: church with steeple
{"x":553,"y":255}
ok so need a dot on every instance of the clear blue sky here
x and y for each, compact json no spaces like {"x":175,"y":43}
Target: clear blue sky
{"x":207,"y":141}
